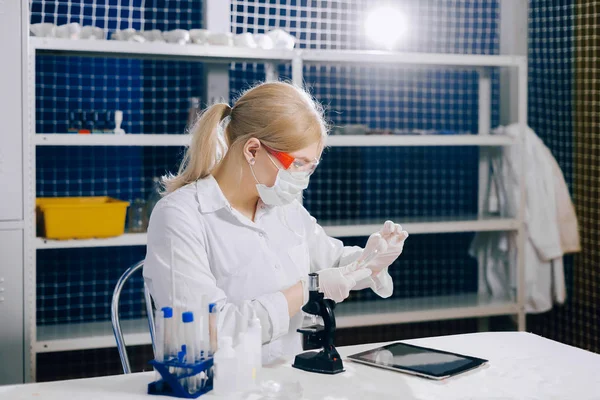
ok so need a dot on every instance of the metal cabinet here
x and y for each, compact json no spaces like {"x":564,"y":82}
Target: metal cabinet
{"x":11,"y":306}
{"x":11,"y":106}
{"x":11,"y":192}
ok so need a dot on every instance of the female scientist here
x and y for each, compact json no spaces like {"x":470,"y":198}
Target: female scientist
{"x":233,"y":230}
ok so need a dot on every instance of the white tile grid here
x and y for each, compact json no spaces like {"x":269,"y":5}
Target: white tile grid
{"x":76,"y":83}
{"x":433,"y":25}
{"x":319,"y":30}
{"x":437,"y":267}
{"x":166,"y":92}
{"x":120,"y":14}
{"x":83,"y":171}
{"x":389,"y":97}
{"x":108,"y":14}
{"x":153,"y":95}
{"x":388,"y":182}
{"x":77,"y":285}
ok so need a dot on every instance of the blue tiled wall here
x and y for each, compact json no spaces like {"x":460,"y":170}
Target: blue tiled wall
{"x":75,"y":285}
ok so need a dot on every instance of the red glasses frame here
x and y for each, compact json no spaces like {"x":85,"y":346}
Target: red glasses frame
{"x":285,"y":159}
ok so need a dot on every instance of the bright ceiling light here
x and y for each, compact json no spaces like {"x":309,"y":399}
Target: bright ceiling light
{"x":385,"y":25}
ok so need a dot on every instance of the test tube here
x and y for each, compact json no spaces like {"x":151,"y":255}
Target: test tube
{"x":170,"y":349}
{"x":159,"y":338}
{"x":204,"y":330}
{"x":213,"y":315}
{"x":190,"y":346}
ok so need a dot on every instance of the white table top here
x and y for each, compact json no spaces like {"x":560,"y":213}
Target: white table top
{"x":522,"y":366}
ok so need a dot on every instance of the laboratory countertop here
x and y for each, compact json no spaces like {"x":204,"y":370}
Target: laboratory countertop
{"x":522,"y":366}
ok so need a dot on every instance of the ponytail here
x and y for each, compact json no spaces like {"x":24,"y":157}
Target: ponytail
{"x":205,"y":151}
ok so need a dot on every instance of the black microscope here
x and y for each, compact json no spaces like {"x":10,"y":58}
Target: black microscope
{"x":328,"y":360}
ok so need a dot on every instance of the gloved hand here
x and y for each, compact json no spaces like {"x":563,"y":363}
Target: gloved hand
{"x":336,"y":283}
{"x":394,"y":237}
{"x":381,"y":250}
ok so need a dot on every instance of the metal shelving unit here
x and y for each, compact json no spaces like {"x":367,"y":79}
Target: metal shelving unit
{"x":341,"y":228}
{"x":92,"y":335}
{"x":99,"y":334}
{"x":63,"y":139}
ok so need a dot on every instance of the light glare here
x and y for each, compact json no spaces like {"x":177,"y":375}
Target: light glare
{"x":385,"y":26}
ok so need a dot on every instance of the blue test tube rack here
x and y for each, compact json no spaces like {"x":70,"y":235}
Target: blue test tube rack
{"x":172,"y":385}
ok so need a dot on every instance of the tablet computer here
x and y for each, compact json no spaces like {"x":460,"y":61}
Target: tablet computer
{"x":416,"y":360}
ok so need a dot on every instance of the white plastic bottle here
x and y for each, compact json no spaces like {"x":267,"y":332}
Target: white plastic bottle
{"x":245,"y":362}
{"x":224,"y":382}
{"x":254,"y":338}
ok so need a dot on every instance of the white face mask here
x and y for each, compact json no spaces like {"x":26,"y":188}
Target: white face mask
{"x":287,"y":187}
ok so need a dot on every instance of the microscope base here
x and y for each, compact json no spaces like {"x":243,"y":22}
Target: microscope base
{"x":319,"y":362}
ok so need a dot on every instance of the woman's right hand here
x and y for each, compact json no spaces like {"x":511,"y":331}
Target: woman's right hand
{"x":336,"y":283}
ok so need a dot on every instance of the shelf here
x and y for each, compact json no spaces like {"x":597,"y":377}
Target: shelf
{"x":63,"y":139}
{"x":418,"y":140}
{"x":420,"y":225}
{"x":89,"y":335}
{"x":127,"y":239}
{"x":92,"y":335}
{"x":341,"y":228}
{"x":396,"y":311}
{"x":113,"y":48}
{"x":383,"y":57}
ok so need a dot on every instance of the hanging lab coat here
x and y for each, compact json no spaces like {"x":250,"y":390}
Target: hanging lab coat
{"x":550,"y":225}
{"x":239,"y":264}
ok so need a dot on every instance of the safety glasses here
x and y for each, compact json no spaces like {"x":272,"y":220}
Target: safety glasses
{"x":291,"y":163}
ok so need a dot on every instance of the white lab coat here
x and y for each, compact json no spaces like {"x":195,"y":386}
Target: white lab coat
{"x":239,"y":264}
{"x":550,"y":225}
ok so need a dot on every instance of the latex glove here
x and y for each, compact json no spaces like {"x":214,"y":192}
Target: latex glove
{"x":380,"y":252}
{"x":394,"y":237}
{"x":336,"y":283}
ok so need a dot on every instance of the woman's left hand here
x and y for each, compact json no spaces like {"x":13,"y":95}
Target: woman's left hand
{"x":394,"y":237}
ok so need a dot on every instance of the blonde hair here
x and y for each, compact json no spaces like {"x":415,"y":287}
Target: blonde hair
{"x":280,"y":115}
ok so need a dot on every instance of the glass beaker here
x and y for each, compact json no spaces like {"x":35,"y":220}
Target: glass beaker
{"x":138,"y":222}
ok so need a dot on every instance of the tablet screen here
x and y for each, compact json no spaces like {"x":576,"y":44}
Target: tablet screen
{"x":417,"y":359}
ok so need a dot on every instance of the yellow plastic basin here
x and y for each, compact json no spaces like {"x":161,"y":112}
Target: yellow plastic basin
{"x":80,"y":217}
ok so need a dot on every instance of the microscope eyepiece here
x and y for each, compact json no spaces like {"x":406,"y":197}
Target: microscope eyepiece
{"x":313,"y":282}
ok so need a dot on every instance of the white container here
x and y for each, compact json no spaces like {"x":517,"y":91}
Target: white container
{"x":199,"y":36}
{"x":178,"y":36}
{"x":68,"y":31}
{"x":118,"y":121}
{"x":263,"y":41}
{"x":282,"y":39}
{"x":244,"y":40}
{"x":153,"y":35}
{"x":92,"y":33}
{"x":226,"y":367}
{"x":127,"y":35}
{"x":245,"y":362}
{"x":220,"y":39}
{"x":44,"y":29}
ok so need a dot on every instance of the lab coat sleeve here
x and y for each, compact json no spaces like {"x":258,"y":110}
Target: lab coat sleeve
{"x":328,"y":252}
{"x":324,"y":251}
{"x":176,"y":238}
